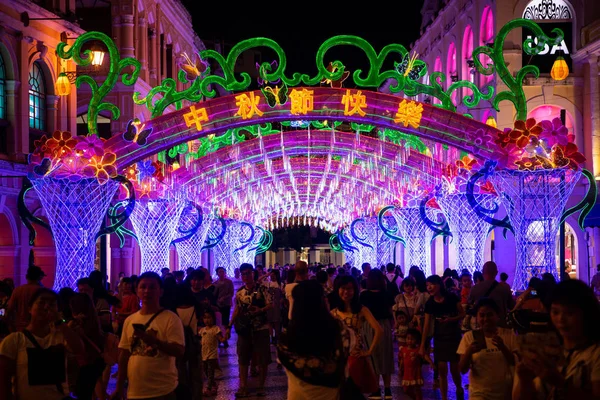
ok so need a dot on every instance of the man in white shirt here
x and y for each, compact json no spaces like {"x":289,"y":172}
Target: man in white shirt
{"x":301,"y":275}
{"x":152,"y":339}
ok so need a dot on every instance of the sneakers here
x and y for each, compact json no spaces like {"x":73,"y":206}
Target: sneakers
{"x":387,"y":394}
{"x":375,"y":395}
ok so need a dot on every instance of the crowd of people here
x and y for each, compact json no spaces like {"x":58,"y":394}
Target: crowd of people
{"x":335,"y":331}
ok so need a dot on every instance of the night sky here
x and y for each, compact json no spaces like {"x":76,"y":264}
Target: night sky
{"x":300,"y":35}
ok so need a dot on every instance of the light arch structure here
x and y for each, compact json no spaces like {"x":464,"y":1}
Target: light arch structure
{"x":220,"y":114}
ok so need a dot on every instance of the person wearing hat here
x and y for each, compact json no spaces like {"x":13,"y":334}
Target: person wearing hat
{"x":18,"y":306}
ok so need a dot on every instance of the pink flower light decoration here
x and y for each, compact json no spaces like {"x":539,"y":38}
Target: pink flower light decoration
{"x":481,"y":140}
{"x":555,"y":133}
{"x":71,"y":168}
{"x":507,"y":156}
{"x":90,"y":146}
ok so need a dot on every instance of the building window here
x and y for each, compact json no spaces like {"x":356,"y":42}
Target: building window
{"x":452,"y":71}
{"x":467,"y":49}
{"x":487,"y":37}
{"x":547,"y":9}
{"x":37,"y":98}
{"x":169,"y":61}
{"x":437,"y":67}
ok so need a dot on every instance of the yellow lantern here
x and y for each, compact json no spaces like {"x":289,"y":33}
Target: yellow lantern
{"x":63,"y":86}
{"x":491,"y":121}
{"x":560,"y":69}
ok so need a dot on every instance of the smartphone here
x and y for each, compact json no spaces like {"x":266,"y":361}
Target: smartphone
{"x":479,"y":337}
{"x":139,"y":327}
{"x":2,"y":312}
{"x":534,"y":292}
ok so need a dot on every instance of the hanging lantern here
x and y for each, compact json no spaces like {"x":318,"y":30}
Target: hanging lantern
{"x":63,"y":86}
{"x":491,"y":121}
{"x":97,"y":56}
{"x":560,"y":69}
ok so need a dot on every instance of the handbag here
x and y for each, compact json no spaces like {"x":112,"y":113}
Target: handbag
{"x":45,"y":366}
{"x":362,"y":373}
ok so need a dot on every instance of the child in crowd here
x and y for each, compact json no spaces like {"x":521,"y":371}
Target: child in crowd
{"x":467,"y":284}
{"x":410,"y":363}
{"x":401,"y":327}
{"x":210,"y":336}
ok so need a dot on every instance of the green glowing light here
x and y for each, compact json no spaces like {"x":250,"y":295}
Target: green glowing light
{"x":116,"y":66}
{"x":515,"y":94}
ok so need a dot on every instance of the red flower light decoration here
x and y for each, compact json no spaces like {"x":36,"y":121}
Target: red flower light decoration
{"x":41,"y":148}
{"x":61,"y":143}
{"x":487,"y":187}
{"x":466,"y":163}
{"x":567,"y":156}
{"x":528,"y":163}
{"x":524,"y":131}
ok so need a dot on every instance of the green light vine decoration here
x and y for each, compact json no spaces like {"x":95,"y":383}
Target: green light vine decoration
{"x":117,"y":65}
{"x":315,"y":124}
{"x":515,"y":94}
{"x":230,"y":137}
{"x":401,"y":138}
{"x":170,"y":95}
{"x":404,"y":78}
{"x":361,"y":127}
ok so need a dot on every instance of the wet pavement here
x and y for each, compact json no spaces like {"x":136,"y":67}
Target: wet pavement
{"x":276,"y":384}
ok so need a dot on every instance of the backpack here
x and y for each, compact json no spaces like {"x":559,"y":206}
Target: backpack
{"x":392,"y":287}
{"x":192,"y":343}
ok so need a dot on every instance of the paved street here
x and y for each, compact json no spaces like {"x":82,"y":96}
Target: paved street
{"x":276,"y":385}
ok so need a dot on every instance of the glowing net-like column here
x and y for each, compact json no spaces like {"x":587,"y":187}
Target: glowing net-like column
{"x":238,"y":246}
{"x":534,"y":202}
{"x":189,"y":250}
{"x":469,"y":231}
{"x":155,"y":223}
{"x":417,"y":237}
{"x":370,"y":243}
{"x":75,"y":211}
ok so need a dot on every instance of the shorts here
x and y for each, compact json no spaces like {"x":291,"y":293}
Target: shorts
{"x":255,"y":347}
{"x":444,"y":349}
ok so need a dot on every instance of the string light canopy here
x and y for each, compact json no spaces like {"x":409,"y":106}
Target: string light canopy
{"x":323,"y":178}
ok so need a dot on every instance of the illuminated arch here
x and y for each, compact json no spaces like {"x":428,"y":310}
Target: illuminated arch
{"x":170,"y":130}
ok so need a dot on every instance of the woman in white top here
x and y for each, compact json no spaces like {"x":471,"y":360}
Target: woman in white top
{"x":36,"y":356}
{"x":487,"y":355}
